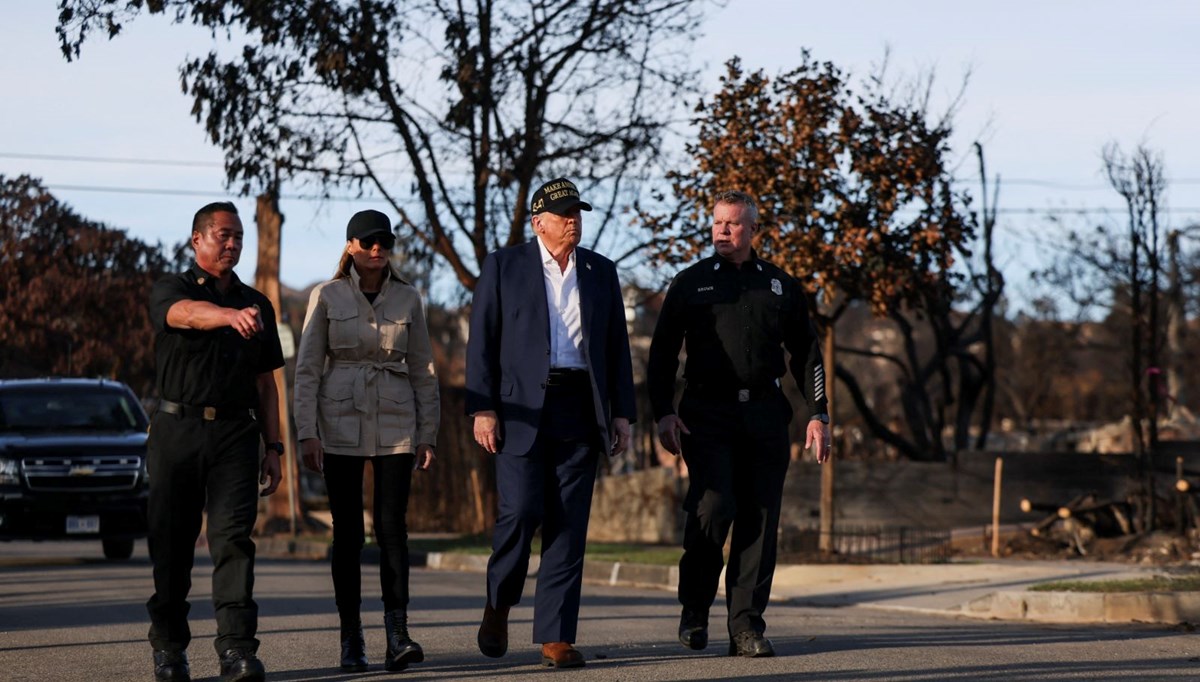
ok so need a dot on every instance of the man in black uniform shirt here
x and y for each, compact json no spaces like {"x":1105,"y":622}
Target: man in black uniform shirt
{"x":737,"y":314}
{"x":216,"y":348}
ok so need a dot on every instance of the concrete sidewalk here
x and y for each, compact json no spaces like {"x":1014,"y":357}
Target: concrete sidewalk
{"x":984,"y":589}
{"x":989,"y":589}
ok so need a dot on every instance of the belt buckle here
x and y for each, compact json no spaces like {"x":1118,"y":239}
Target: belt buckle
{"x":743,"y":395}
{"x":210,"y":414}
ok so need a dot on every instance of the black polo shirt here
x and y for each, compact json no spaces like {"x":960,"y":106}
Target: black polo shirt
{"x":217,"y":367}
{"x":737,"y":321}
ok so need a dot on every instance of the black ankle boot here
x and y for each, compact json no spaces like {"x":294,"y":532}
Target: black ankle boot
{"x":693,"y":628}
{"x":354,"y":647}
{"x":401,"y":650}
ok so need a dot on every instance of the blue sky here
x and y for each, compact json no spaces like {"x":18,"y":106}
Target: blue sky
{"x":1051,"y":83}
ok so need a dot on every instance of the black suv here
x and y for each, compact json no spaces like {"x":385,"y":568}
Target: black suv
{"x":73,"y":462}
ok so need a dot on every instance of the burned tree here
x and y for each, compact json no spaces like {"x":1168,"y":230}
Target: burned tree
{"x":64,"y":281}
{"x":1124,"y":271}
{"x":449,"y":110}
{"x":856,"y":200}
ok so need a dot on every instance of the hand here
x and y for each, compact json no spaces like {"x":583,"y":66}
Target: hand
{"x":619,"y":435}
{"x":424,"y":458}
{"x":313,"y":454}
{"x":247,"y":321}
{"x":271,"y":474}
{"x":818,"y":438}
{"x":487,"y":430}
{"x":669,"y":428}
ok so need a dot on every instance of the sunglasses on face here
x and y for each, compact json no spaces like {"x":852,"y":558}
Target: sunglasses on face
{"x":385,"y":241}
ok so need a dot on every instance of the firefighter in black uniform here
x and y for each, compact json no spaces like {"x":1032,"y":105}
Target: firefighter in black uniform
{"x":737,"y":314}
{"x":216,"y":347}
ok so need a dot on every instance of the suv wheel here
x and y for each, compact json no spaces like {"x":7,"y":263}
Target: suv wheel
{"x":117,"y":549}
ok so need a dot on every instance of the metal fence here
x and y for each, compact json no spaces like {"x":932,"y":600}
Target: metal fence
{"x":869,"y":544}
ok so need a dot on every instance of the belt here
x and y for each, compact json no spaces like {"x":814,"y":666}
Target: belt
{"x":567,"y":377}
{"x":366,"y":371}
{"x":742,"y":394}
{"x":205,"y":412}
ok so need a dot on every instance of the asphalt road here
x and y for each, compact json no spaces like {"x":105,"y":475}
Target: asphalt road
{"x":66,"y":614}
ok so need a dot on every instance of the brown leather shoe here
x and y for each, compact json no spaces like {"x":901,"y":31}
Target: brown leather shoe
{"x":493,"y":632}
{"x":561,"y":655}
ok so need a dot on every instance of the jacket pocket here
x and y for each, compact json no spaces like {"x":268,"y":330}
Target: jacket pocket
{"x":337,"y":420}
{"x":343,"y":327}
{"x":393,"y":334}
{"x":397,"y":415}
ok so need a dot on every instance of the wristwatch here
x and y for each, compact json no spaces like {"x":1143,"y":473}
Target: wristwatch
{"x":822,"y":417}
{"x":277,"y":447}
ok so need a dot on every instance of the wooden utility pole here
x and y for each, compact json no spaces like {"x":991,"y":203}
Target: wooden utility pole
{"x":825,"y":543}
{"x":1177,"y":347}
{"x":996,"y":481}
{"x":283,"y":508}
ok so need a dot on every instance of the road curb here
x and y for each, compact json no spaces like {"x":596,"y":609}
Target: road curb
{"x":604,"y":572}
{"x":1087,"y":607}
{"x":1011,"y":605}
{"x":457,"y":561}
{"x":596,"y":572}
{"x":290,"y":548}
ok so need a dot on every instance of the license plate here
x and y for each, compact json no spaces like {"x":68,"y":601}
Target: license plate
{"x":83,"y":524}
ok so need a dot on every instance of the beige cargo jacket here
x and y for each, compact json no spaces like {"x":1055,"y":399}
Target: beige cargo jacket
{"x":365,"y":382}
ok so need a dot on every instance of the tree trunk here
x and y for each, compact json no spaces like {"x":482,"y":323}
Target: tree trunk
{"x":826,"y":544}
{"x":283,"y":507}
{"x":1176,"y":331}
{"x":993,"y":289}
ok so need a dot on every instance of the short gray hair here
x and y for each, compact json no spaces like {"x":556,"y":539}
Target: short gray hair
{"x":732,"y":196}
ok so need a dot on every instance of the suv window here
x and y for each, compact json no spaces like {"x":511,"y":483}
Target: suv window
{"x":56,"y":409}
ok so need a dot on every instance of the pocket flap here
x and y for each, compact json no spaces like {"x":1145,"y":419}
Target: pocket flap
{"x":399,"y":398}
{"x":342,"y":313}
{"x":397,"y":316}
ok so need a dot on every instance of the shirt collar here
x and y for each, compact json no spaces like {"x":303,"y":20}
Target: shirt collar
{"x":752,"y":263}
{"x":389,"y":273}
{"x":208,"y":280}
{"x":548,"y":258}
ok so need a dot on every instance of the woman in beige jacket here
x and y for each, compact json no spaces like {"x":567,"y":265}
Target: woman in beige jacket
{"x":366,"y":390}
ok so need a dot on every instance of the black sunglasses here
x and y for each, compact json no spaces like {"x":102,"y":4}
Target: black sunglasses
{"x":385,"y":241}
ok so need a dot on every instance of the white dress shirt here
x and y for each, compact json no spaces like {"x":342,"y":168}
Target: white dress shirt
{"x":562,"y":299}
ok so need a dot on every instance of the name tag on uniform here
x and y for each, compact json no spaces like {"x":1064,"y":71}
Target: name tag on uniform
{"x":776,"y":287}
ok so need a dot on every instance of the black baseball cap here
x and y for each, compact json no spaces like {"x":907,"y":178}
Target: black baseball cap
{"x":557,"y":196}
{"x":366,"y":223}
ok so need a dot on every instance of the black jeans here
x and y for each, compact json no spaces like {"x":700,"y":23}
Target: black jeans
{"x":194,"y":465}
{"x":344,"y":483}
{"x":737,"y":457}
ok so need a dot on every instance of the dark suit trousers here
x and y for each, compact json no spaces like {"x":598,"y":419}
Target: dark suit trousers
{"x":196,"y":464}
{"x":737,"y":457}
{"x":551,"y":486}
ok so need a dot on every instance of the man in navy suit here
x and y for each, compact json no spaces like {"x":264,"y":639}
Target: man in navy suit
{"x":550,"y":386}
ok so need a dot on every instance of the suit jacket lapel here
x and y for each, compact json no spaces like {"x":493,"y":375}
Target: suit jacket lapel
{"x":535,"y":287}
{"x":585,"y":279}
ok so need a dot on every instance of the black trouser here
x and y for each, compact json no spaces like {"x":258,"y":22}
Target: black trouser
{"x":737,"y":457}
{"x":196,"y":464}
{"x":344,"y":483}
